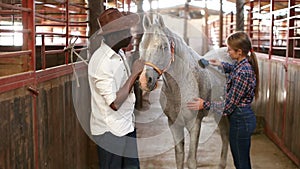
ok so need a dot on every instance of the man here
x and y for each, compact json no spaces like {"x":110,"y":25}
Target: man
{"x":112,"y":97}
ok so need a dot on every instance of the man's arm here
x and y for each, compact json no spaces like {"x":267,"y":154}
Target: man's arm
{"x":124,"y":91}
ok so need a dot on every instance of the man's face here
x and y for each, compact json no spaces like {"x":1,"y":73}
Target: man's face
{"x":127,"y":37}
{"x":121,"y":38}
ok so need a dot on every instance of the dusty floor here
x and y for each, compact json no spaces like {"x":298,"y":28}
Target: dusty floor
{"x":156,"y":150}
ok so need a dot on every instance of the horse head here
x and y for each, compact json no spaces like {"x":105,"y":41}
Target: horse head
{"x":157,"y":50}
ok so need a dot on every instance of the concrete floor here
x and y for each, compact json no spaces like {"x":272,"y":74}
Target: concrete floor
{"x":156,"y":150}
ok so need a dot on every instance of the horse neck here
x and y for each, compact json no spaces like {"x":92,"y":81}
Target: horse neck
{"x":182,"y":50}
{"x":185,"y":61}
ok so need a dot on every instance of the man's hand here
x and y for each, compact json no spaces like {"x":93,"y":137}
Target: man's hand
{"x":197,"y":104}
{"x":124,"y":91}
{"x":137,"y":67}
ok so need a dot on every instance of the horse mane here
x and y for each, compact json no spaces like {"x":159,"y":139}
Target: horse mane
{"x":182,"y":50}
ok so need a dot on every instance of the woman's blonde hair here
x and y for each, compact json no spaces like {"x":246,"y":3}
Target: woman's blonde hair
{"x":240,"y":40}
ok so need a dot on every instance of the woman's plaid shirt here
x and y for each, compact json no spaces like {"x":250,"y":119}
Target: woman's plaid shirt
{"x":241,"y":84}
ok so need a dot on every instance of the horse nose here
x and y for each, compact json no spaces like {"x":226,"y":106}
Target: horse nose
{"x":149,"y":81}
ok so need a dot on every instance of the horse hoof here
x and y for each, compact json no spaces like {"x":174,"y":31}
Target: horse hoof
{"x":192,"y":164}
{"x":222,"y":166}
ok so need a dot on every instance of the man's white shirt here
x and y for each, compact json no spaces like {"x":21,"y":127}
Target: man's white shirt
{"x":108,"y":72}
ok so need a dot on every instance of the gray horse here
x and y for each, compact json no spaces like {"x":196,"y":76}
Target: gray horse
{"x":169,"y":57}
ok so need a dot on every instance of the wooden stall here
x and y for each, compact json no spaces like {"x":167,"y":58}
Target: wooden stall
{"x":39,"y":127}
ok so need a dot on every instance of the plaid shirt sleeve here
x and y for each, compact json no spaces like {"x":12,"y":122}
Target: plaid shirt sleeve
{"x":206,"y":105}
{"x":227,"y":67}
{"x":236,"y":92}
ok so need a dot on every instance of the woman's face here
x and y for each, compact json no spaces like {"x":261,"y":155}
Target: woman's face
{"x":235,"y":54}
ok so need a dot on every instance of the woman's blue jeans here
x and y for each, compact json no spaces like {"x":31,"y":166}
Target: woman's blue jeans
{"x":242,"y":125}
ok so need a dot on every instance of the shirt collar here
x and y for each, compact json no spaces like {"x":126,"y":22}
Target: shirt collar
{"x":242,"y":62}
{"x":107,"y":49}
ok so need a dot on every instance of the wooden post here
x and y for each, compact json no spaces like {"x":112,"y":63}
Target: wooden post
{"x":290,"y":33}
{"x":271,"y":28}
{"x":240,"y":15}
{"x":186,"y":13}
{"x":221,"y":24}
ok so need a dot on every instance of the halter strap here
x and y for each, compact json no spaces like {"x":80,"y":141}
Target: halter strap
{"x":161,"y":71}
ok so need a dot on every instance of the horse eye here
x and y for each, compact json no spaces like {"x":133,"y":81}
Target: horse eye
{"x":165,"y":47}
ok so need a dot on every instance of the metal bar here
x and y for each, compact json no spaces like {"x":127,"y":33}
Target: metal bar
{"x":12,"y":82}
{"x":28,"y":21}
{"x":54,"y":72}
{"x":290,"y":33}
{"x":43,"y":53}
{"x":67,"y":31}
{"x":14,"y":31}
{"x":16,"y":81}
{"x":221,"y":24}
{"x":49,"y":12}
{"x":259,"y":23}
{"x":128,"y":3}
{"x":13,"y":54}
{"x":239,"y":15}
{"x":54,"y":51}
{"x":227,"y":28}
{"x":232,"y":22}
{"x":79,"y":5}
{"x":250,"y":20}
{"x":50,"y":34}
{"x":206,"y":19}
{"x":62,"y":25}
{"x":15,"y":7}
{"x":62,"y":35}
{"x":9,"y":12}
{"x":49,"y":18}
{"x":271,"y":28}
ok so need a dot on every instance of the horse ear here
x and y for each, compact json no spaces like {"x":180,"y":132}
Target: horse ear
{"x":146,"y":22}
{"x":160,"y":21}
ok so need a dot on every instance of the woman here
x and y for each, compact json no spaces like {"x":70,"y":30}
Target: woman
{"x":242,"y":87}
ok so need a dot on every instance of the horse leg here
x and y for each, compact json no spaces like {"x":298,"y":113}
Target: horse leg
{"x":194,"y":131}
{"x":224,"y":132}
{"x":178,"y":137}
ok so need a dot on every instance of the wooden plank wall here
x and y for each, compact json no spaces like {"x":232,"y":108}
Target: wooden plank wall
{"x":62,"y":143}
{"x":16,"y":133}
{"x":278,"y":107}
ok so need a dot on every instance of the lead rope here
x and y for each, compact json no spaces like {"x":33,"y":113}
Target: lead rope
{"x":72,"y":51}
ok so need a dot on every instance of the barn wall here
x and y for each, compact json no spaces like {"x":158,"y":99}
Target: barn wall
{"x":55,"y":137}
{"x":278,"y":108}
{"x":16,"y":140}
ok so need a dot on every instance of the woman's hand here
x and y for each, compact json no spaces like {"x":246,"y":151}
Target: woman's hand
{"x":196,"y":104}
{"x":215,"y":62}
